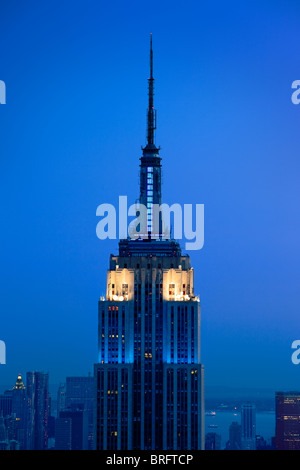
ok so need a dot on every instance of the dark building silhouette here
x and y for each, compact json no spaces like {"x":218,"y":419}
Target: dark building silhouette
{"x":149,"y":378}
{"x":287,"y":409}
{"x":248,"y":426}
{"x":63,"y":434}
{"x":13,"y":406}
{"x":51,"y":430}
{"x":79,"y":391}
{"x":11,"y":424}
{"x":14,"y":445}
{"x":235,"y":433}
{"x":6,"y":403}
{"x":4,"y":443}
{"x":212,"y":441}
{"x":61,"y":398}
{"x":37,"y":410}
{"x":18,"y":408}
{"x":261,"y":443}
{"x":78,"y":417}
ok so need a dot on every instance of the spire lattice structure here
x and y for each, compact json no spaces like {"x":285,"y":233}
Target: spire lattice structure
{"x":151,"y":115}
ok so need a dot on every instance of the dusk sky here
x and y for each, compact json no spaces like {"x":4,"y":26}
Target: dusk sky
{"x":71,"y":133}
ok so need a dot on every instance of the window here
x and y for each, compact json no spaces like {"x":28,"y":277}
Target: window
{"x":172,"y":291}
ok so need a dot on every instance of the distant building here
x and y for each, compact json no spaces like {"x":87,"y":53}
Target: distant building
{"x":235,"y":432}
{"x":248,"y":427}
{"x":37,"y":411}
{"x":4,"y":444}
{"x":61,"y":398}
{"x":79,"y":427}
{"x":7,"y":433}
{"x":14,"y":445}
{"x":6,"y":403}
{"x":11,"y":424}
{"x":212,"y":441}
{"x":19,"y":409}
{"x":261,"y":443}
{"x":51,"y":431}
{"x":287,"y":432}
{"x":63,"y":434}
{"x":80,"y":391}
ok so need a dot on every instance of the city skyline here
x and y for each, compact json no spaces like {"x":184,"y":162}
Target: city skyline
{"x":72,"y":129}
{"x":71,"y":407}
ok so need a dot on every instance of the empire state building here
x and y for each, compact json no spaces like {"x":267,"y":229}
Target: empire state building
{"x":149,"y":378}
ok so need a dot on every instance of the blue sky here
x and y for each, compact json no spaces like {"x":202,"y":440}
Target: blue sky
{"x":71,"y":135}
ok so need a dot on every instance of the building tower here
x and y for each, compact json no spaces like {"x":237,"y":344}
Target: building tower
{"x":234,"y":442}
{"x":149,"y":379}
{"x":248,"y":426}
{"x":19,"y":408}
{"x":37,"y":410}
{"x":287,"y":433}
{"x":80,"y":391}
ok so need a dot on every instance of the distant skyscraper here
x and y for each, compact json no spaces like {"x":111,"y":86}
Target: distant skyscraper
{"x":149,"y":379}
{"x":79,"y":426}
{"x":234,"y":442}
{"x":61,"y":398}
{"x":37,"y":411}
{"x":212,"y":441}
{"x":63,"y":434}
{"x":19,"y":385}
{"x":261,"y":444}
{"x":248,"y":426}
{"x":6,"y":403}
{"x":4,"y":444}
{"x":287,"y":433}
{"x":19,"y":404}
{"x":80,"y":391}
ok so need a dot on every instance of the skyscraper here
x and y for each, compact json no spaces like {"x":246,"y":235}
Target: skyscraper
{"x":287,"y":408}
{"x":79,"y":426}
{"x":149,"y":379}
{"x":212,"y":441}
{"x":248,"y":426}
{"x":61,"y":398}
{"x":6,"y":403}
{"x":4,"y":444}
{"x":234,"y":442}
{"x":63,"y":434}
{"x":19,"y":408}
{"x":80,"y":391}
{"x":37,"y":410}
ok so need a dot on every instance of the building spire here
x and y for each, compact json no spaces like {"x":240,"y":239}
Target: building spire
{"x":150,"y":174}
{"x":151,"y":115}
{"x":151,"y":57}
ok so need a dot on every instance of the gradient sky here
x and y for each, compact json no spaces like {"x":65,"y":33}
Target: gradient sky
{"x":70,"y":139}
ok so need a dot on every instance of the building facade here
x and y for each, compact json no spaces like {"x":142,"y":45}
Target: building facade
{"x":63,"y":434}
{"x":234,"y":442}
{"x":37,"y":410}
{"x":287,"y":409}
{"x":80,"y":391}
{"x":248,"y":426}
{"x":149,"y":379}
{"x":78,"y":417}
{"x":19,"y":409}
